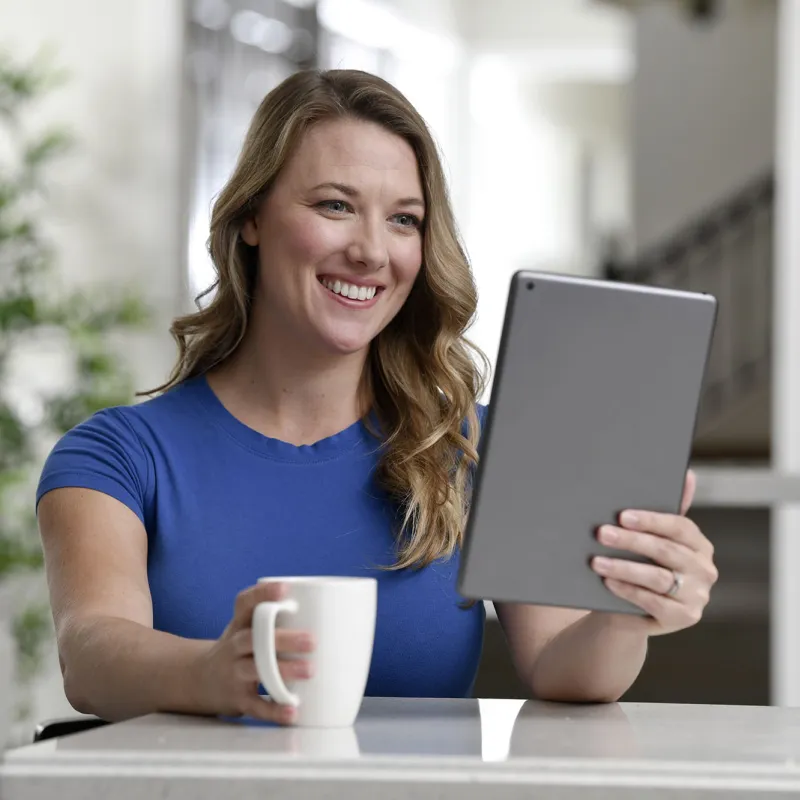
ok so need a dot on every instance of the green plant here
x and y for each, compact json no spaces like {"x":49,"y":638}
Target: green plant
{"x":36,"y":308}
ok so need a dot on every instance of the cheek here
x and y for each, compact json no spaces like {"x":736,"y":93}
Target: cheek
{"x":305,"y":240}
{"x":408,"y":260}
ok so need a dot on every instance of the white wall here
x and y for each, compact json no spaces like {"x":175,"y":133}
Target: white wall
{"x":545,"y":87}
{"x":532,"y":202}
{"x":524,"y":186}
{"x":595,"y":113}
{"x":115,"y":201}
{"x":703,"y":110}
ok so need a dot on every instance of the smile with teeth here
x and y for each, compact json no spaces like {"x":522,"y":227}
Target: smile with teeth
{"x":349,"y":290}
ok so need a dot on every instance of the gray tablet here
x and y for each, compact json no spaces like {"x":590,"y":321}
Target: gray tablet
{"x":592,"y":411}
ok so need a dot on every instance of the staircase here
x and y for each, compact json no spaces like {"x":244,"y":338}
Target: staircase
{"x":727,"y":251}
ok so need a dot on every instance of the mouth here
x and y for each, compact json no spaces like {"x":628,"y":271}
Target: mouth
{"x":351,"y":294}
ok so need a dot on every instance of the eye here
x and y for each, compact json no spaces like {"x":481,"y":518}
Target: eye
{"x":336,"y":206}
{"x":408,"y":220}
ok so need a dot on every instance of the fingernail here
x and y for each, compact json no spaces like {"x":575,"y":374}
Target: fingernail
{"x":601,"y":564}
{"x":608,"y":535}
{"x":306,"y":642}
{"x":289,"y":713}
{"x":629,"y":518}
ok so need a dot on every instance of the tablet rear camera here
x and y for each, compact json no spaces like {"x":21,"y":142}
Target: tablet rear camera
{"x":530,"y":286}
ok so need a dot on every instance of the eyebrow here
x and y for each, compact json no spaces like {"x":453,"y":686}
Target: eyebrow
{"x":351,"y":191}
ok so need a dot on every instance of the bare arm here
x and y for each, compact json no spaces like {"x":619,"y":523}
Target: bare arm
{"x":114,"y":664}
{"x":573,"y":656}
{"x":580,"y":656}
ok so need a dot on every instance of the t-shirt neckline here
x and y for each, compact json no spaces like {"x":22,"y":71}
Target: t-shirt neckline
{"x":334,"y":446}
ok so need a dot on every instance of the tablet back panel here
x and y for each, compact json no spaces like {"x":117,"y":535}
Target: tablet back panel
{"x":592,"y":411}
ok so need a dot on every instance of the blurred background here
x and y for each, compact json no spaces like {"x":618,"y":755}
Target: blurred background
{"x":633,"y":140}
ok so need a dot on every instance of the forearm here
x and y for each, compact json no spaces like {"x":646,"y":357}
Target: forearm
{"x":596,"y":659}
{"x":117,"y":669}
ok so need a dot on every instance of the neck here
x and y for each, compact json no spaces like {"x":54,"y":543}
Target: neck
{"x":277,"y":386}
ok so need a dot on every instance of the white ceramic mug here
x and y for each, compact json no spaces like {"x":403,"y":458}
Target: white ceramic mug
{"x":340,"y":614}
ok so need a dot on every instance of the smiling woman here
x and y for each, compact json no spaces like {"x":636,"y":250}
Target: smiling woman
{"x":339,"y":179}
{"x":321,"y":419}
{"x":339,"y":211}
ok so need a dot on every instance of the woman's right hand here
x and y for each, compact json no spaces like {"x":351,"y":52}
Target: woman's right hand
{"x":227,"y":676}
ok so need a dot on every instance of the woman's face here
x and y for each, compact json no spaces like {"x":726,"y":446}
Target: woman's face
{"x":339,"y":237}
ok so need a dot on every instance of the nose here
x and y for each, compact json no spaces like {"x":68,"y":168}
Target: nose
{"x":368,"y":246}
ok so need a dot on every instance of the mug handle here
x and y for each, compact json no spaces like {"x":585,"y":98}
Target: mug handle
{"x":266,"y":658}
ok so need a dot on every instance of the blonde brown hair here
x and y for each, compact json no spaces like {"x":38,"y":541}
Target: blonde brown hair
{"x":421,"y":379}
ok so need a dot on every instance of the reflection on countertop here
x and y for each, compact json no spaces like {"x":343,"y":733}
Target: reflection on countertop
{"x":510,"y":731}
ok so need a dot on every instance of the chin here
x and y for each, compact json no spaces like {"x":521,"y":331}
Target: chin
{"x":346,"y":345}
{"x":348,"y":348}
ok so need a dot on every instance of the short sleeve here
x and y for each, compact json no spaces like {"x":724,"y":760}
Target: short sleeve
{"x":482,"y":412}
{"x":103,"y":453}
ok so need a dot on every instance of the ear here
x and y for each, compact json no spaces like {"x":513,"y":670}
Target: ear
{"x":249,"y":232}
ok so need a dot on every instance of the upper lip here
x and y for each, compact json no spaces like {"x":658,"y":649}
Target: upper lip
{"x":352,"y":280}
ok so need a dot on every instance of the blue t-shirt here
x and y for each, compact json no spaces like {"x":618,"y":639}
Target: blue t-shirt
{"x":224,"y":505}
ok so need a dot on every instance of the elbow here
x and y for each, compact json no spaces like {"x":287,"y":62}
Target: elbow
{"x":572,"y":691}
{"x":576,"y":695}
{"x":73,"y":681}
{"x":74,"y":690}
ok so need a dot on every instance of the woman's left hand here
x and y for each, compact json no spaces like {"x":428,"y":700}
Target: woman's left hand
{"x":673,"y":590}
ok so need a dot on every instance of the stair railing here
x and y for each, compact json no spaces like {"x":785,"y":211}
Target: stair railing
{"x":726,"y":250}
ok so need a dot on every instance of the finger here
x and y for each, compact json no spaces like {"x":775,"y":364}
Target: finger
{"x":668,"y":612}
{"x":249,"y":598}
{"x":697,"y":589}
{"x":670,"y":526}
{"x":689,"y":488}
{"x":291,"y":641}
{"x":295,"y":670}
{"x":246,"y":672}
{"x":664,"y":552}
{"x":266,"y":709}
{"x":648,"y":576}
{"x":286,"y":641}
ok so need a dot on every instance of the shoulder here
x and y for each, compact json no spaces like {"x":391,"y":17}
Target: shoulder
{"x":131,"y":425}
{"x":108,"y":428}
{"x":112,"y":450}
{"x":177,"y":403}
{"x":102,"y":453}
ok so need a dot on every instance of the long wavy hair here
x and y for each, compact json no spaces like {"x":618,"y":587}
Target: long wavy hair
{"x":422,"y":377}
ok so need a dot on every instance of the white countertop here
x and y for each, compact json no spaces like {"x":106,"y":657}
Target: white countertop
{"x":428,"y":749}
